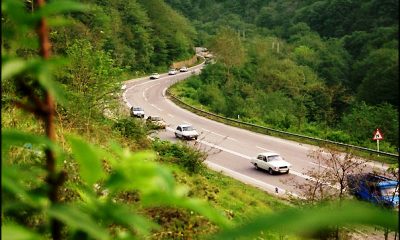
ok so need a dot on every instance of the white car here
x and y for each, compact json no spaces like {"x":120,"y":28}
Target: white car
{"x":172,"y":72}
{"x":186,"y":131}
{"x":137,"y":112}
{"x":183,"y":69}
{"x":155,"y":76}
{"x":272,"y":162}
{"x":157,"y":121}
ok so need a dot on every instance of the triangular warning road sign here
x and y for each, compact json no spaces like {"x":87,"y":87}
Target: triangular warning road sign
{"x":377,"y":135}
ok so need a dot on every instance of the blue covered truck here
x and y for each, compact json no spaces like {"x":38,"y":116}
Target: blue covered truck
{"x":374,"y":188}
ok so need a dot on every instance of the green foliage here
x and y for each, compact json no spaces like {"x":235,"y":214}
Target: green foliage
{"x":131,"y":128}
{"x":190,"y":159}
{"x":338,"y":136}
{"x":305,"y":221}
{"x":368,"y":119}
{"x":92,"y":214}
{"x":380,"y":77}
{"x":142,"y":36}
{"x":228,"y":48}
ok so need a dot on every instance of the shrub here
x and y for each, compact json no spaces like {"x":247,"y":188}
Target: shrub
{"x":185,"y":156}
{"x":131,"y":128}
{"x":338,"y":136}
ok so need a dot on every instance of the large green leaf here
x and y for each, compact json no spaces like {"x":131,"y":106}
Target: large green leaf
{"x":313,"y":219}
{"x":176,"y":200}
{"x":60,"y":6}
{"x":15,"y":10}
{"x":90,"y":165}
{"x":15,"y":66}
{"x":23,"y":182}
{"x":11,"y":231}
{"x":139,"y":171}
{"x":124,"y":216}
{"x":10,"y":182}
{"x":17,"y":138}
{"x":78,"y":220}
{"x":46,"y":79}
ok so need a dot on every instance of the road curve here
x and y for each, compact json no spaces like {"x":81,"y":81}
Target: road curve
{"x":230,"y":148}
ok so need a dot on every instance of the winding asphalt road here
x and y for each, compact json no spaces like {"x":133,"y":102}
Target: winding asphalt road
{"x":229,"y":148}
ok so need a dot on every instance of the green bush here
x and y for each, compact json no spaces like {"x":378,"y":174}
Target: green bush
{"x":185,"y":156}
{"x":338,"y":136}
{"x":131,"y":128}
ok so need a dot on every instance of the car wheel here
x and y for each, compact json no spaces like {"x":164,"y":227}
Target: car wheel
{"x":195,"y":138}
{"x":270,"y":171}
{"x":287,"y":172}
{"x":176,"y":135}
{"x":255,"y":165}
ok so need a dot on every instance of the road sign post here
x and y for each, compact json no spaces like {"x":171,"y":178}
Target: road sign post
{"x":377,"y":136}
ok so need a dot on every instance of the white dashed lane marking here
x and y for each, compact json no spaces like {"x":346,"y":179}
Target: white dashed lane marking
{"x":263,"y":148}
{"x":159,"y":109}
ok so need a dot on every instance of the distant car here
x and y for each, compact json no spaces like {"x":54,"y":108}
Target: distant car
{"x":157,"y":121}
{"x":155,"y":76}
{"x":186,"y":131}
{"x":183,"y":69}
{"x":137,"y":112}
{"x":172,"y":72}
{"x":272,"y":162}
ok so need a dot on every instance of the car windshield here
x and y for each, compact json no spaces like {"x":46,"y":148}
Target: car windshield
{"x":389,"y":192}
{"x":188,"y":128}
{"x":137,"y":109}
{"x":275,"y":158}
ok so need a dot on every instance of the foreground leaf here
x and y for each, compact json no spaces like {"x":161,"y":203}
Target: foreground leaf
{"x":13,"y":231}
{"x":90,"y":166}
{"x":312,"y":219}
{"x":78,"y":220}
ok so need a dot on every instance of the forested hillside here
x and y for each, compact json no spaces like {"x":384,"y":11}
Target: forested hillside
{"x":76,"y":166}
{"x":141,"y":36}
{"x":322,"y":68}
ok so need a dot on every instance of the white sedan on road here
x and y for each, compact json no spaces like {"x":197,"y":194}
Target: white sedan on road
{"x":272,"y":162}
{"x":172,"y":71}
{"x":186,"y":131}
{"x":155,"y":76}
{"x":183,"y":69}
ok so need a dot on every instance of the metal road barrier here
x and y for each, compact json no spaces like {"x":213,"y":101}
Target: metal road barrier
{"x":282,"y":132}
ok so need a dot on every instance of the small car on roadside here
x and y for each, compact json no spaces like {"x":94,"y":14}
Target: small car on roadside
{"x":137,"y":112}
{"x":157,"y":122}
{"x":186,"y":131}
{"x":272,"y":162}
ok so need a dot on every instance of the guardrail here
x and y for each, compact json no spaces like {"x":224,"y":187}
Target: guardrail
{"x":281,"y":132}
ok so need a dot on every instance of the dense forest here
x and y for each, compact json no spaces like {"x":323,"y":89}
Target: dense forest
{"x":76,"y":166}
{"x":322,"y":68}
